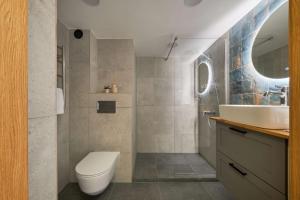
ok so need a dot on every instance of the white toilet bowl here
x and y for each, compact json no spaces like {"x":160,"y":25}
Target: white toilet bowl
{"x":95,"y":171}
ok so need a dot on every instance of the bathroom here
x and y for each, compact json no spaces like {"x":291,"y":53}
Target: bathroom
{"x":156,"y":100}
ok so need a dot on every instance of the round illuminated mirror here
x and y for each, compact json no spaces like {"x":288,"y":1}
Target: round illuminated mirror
{"x":270,"y":48}
{"x":203,"y":78}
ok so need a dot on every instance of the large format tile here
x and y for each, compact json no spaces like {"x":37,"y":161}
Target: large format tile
{"x":42,"y":58}
{"x":182,"y":191}
{"x":80,"y":49}
{"x":217,"y":191}
{"x":185,"y":119}
{"x":109,"y":48}
{"x":152,"y":191}
{"x":166,"y":167}
{"x":171,"y":159}
{"x":135,"y":191}
{"x":155,"y":120}
{"x":42,"y":158}
{"x":163,"y":92}
{"x":145,"y":91}
{"x":145,"y":67}
{"x":164,"y":69}
{"x":72,"y":192}
{"x":186,"y":143}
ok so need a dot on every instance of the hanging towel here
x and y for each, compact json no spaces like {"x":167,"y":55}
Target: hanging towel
{"x":60,"y":104}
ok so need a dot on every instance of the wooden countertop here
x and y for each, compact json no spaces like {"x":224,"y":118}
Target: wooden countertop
{"x":277,"y":133}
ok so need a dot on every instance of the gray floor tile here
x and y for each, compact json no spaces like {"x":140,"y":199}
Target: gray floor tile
{"x":145,"y":162}
{"x":135,"y":191}
{"x":183,"y":170}
{"x":170,"y":159}
{"x":170,"y":167}
{"x":204,"y":169}
{"x":72,"y":192}
{"x":146,"y":155}
{"x":217,"y":191}
{"x":182,"y":191}
{"x":152,"y":191}
{"x":165,"y":171}
{"x":194,"y":159}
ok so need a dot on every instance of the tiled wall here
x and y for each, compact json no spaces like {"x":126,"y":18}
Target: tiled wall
{"x":210,"y":101}
{"x":166,"y":107}
{"x":114,"y":132}
{"x":246,"y":87}
{"x":94,"y":64}
{"x":115,"y":64}
{"x":63,"y":120}
{"x":79,"y":91}
{"x":42,"y":100}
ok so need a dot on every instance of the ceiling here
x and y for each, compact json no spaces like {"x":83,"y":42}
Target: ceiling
{"x":152,"y":24}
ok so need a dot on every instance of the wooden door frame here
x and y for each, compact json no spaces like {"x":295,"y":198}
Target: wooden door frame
{"x":294,"y":65}
{"x":13,"y":100}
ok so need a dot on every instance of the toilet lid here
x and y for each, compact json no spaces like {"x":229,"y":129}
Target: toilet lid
{"x":96,"y":163}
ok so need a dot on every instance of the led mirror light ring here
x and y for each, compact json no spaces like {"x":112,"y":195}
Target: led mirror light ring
{"x":209,"y":81}
{"x":252,"y":44}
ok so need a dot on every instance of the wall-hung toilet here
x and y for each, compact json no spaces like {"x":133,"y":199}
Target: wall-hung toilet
{"x":95,"y":171}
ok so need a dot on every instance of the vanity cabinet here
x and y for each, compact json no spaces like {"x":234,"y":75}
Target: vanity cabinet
{"x":251,"y":165}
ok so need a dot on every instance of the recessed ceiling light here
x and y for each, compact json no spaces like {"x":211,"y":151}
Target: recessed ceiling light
{"x":91,"y":2}
{"x":191,"y":3}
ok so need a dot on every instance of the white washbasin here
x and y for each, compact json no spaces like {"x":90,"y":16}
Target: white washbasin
{"x":272,"y":117}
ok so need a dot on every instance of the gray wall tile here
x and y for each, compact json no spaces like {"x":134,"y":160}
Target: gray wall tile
{"x":42,"y":158}
{"x":163,"y":89}
{"x":63,"y":154}
{"x":42,"y":100}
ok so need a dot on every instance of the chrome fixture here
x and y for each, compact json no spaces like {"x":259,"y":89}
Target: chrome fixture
{"x":172,"y":44}
{"x":92,"y":2}
{"x":282,"y":91}
{"x":191,"y":3}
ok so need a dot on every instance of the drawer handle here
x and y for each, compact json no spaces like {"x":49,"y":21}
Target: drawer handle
{"x":237,"y":169}
{"x":237,"y":130}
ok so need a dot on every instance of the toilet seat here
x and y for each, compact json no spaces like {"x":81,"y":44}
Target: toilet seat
{"x":96,"y":164}
{"x":95,"y":171}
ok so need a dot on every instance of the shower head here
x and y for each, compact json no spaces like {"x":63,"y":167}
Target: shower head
{"x":191,"y":3}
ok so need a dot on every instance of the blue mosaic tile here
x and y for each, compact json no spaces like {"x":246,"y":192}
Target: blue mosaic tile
{"x":261,"y":87}
{"x":273,"y":4}
{"x":248,"y":99}
{"x":248,"y":26}
{"x":235,"y":75}
{"x":236,"y":99}
{"x":261,"y":7}
{"x":246,"y":73}
{"x":247,"y":43}
{"x":247,"y":86}
{"x":261,"y":100}
{"x":246,"y":58}
{"x":236,"y":87}
{"x":274,"y":99}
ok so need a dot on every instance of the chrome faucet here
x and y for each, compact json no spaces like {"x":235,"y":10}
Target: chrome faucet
{"x":282,"y":91}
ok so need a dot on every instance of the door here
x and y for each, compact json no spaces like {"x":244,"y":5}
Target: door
{"x":294,"y":65}
{"x":13,"y":100}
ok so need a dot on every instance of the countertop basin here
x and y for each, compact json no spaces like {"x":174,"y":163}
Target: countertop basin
{"x":264,"y":116}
